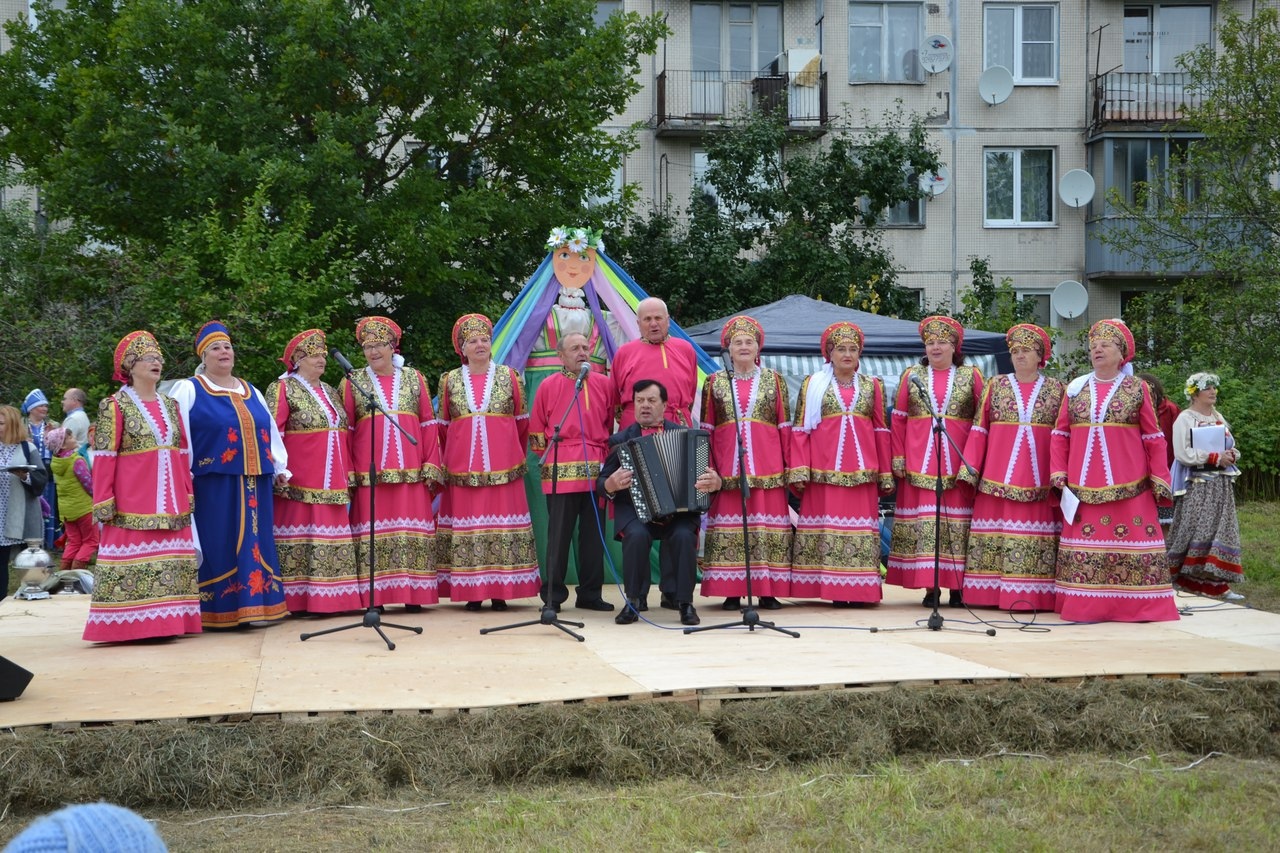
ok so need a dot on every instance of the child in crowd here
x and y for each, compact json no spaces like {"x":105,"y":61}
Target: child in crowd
{"x":75,"y":500}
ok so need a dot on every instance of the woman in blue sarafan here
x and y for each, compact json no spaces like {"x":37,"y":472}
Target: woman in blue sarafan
{"x":236,"y":453}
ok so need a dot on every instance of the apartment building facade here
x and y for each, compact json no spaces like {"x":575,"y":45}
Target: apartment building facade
{"x":1093,"y":87}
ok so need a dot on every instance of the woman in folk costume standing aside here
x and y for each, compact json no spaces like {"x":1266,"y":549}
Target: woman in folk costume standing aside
{"x":1013,"y":541}
{"x":840,"y":465}
{"x":953,"y":390}
{"x":236,"y":453}
{"x":1108,"y":450}
{"x":145,"y":578}
{"x":406,"y":473}
{"x":486,"y":536}
{"x":1204,"y":541}
{"x":312,"y":528}
{"x":764,"y":410}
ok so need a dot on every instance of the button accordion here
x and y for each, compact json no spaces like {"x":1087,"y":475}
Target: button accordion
{"x":664,"y":467}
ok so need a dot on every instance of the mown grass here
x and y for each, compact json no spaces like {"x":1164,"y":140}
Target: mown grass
{"x":1260,"y":554}
{"x":1087,"y":802}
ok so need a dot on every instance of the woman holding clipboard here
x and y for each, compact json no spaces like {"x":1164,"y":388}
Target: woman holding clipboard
{"x":1204,"y":539}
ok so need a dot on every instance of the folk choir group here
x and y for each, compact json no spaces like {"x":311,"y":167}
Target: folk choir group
{"x":221,"y":506}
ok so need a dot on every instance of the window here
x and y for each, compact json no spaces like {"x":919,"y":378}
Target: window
{"x":883,"y":40}
{"x":1137,"y":163}
{"x":904,"y":213}
{"x":613,"y":193}
{"x":1155,"y":36}
{"x":1018,"y":186}
{"x":1024,"y":39}
{"x":1041,"y":315}
{"x":740,"y":38}
{"x":705,"y":192}
{"x":605,"y":8}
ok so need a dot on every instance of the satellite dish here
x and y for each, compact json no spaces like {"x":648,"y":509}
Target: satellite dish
{"x":936,"y":53}
{"x":1076,"y":188}
{"x":936,"y":183}
{"x":1069,"y":299}
{"x":995,"y":85}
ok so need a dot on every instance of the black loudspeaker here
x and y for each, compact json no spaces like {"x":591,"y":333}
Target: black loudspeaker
{"x":13,"y":680}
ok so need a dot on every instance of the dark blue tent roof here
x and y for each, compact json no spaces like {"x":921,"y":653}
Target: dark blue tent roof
{"x":794,"y":324}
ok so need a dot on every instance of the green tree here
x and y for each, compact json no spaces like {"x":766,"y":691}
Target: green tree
{"x":989,"y":306}
{"x":792,"y":217}
{"x":1216,"y":212}
{"x":433,"y":143}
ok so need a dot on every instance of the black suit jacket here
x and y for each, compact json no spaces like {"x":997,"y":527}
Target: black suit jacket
{"x":624,"y":512}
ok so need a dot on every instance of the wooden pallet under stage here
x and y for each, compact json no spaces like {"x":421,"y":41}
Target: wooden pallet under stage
{"x":270,"y":673}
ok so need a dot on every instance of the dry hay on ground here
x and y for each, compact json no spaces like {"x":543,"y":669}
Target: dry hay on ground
{"x":351,"y":759}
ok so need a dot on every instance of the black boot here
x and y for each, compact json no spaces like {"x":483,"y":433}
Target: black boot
{"x":932,"y":597}
{"x":956,"y":599}
{"x":668,"y":602}
{"x":688,"y":616}
{"x":733,"y":602}
{"x":629,"y":613}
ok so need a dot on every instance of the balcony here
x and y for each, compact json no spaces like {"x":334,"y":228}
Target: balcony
{"x":692,"y":103}
{"x":1108,"y":261}
{"x":1123,"y":98}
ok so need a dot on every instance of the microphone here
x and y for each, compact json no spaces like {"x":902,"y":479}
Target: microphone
{"x":583,"y":370}
{"x":726,"y":361}
{"x":342,"y":360}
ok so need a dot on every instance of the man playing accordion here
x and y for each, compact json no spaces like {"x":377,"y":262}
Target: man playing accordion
{"x":679,"y":532}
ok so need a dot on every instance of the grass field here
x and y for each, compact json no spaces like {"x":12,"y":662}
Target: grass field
{"x":1147,"y":764}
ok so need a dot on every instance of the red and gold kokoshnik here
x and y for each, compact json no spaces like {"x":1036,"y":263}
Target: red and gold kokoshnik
{"x":1032,"y":337}
{"x":304,"y":344}
{"x":377,"y":330}
{"x":741,"y":324}
{"x":132,"y":347}
{"x":939,"y":328}
{"x":469,"y":325}
{"x":842,"y":332}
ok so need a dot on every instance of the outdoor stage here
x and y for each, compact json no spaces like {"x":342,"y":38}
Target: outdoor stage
{"x":450,"y":666}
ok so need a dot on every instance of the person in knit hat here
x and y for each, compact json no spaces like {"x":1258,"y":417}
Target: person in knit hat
{"x":71,"y":475}
{"x":88,"y":828}
{"x":35,"y":409}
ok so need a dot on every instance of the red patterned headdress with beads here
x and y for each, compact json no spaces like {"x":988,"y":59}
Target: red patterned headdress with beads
{"x":468,"y":325}
{"x":840,"y":333}
{"x":938,"y":327}
{"x":1033,"y":337}
{"x":132,"y":347}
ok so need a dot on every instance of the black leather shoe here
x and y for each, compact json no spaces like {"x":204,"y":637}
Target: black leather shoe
{"x":413,"y":608}
{"x":668,"y":602}
{"x":498,"y":604}
{"x":931,"y":598}
{"x":731,"y":603}
{"x":643,"y":604}
{"x":473,"y":606}
{"x":599,"y":604}
{"x":956,"y":599}
{"x":628,"y":614}
{"x":768,"y":602}
{"x":689,"y":616}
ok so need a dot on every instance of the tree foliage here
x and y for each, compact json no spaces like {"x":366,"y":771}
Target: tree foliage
{"x":1216,"y":212}
{"x":789,"y":217}
{"x":423,"y":149}
{"x":989,"y":306}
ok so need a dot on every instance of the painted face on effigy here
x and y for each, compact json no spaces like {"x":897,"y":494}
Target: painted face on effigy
{"x":572,"y":269}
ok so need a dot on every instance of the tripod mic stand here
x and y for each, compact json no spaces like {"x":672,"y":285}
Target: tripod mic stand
{"x":750,"y":617}
{"x":549,"y":616}
{"x":940,"y":435}
{"x":372,"y":616}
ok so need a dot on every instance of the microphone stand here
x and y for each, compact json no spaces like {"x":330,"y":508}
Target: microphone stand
{"x":940,"y":435}
{"x":549,"y":616}
{"x":750,"y":617}
{"x":372,"y":616}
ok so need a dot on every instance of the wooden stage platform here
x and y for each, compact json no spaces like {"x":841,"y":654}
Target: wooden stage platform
{"x":270,"y":672}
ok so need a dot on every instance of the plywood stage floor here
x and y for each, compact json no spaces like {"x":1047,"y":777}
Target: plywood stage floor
{"x":270,"y":672}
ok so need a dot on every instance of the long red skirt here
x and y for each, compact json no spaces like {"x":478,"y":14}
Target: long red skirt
{"x":911,"y":554}
{"x":1112,"y":565}
{"x":1013,"y":554}
{"x":837,"y":548}
{"x":768,"y":536}
{"x":318,"y":558}
{"x":404,"y":542}
{"x":144,"y":586}
{"x":485,"y":545}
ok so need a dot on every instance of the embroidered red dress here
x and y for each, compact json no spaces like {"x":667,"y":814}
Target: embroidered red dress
{"x":145,"y":578}
{"x":764,"y":408}
{"x":485,"y":545}
{"x":1111,"y":558}
{"x":956,"y":393}
{"x":841,"y":454}
{"x":405,"y":530}
{"x":1013,"y":539}
{"x":313,"y":530}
